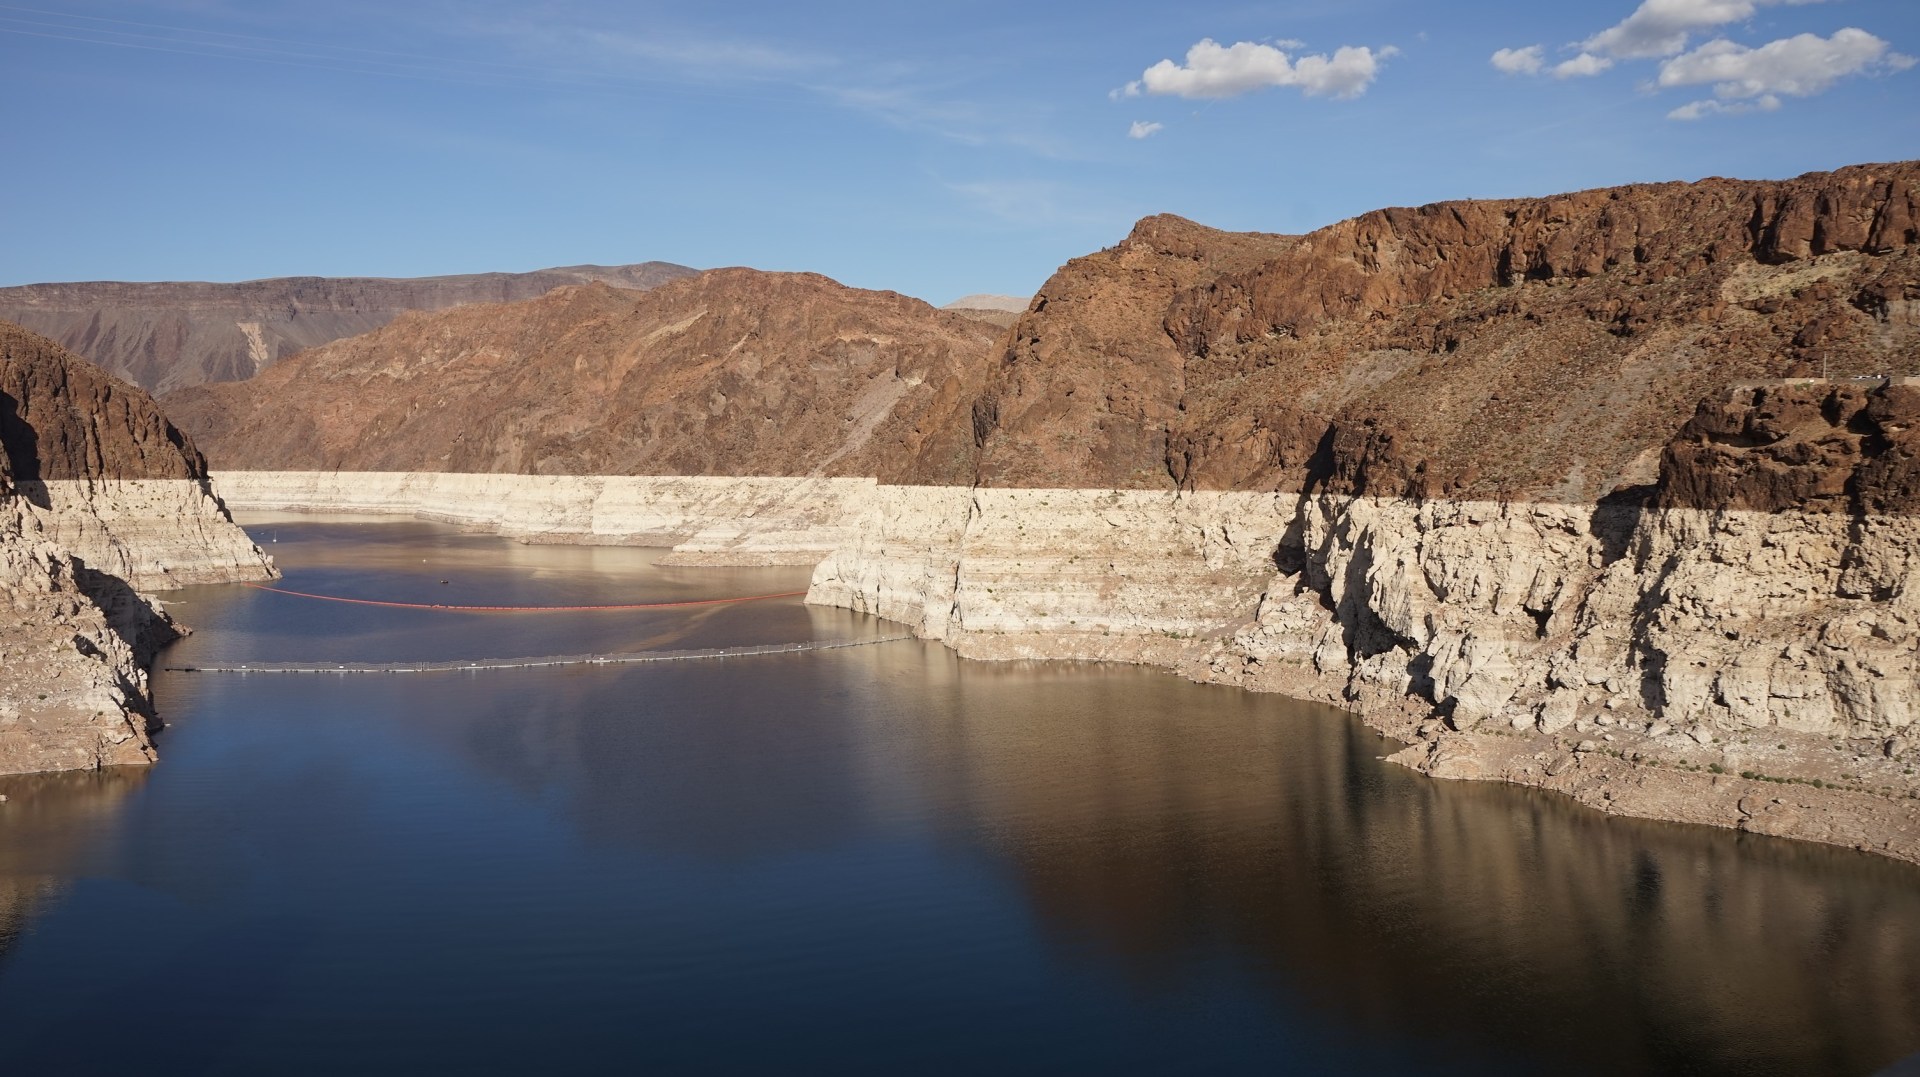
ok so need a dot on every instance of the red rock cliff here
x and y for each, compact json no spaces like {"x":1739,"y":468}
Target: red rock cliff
{"x":1534,"y":348}
{"x":63,"y":418}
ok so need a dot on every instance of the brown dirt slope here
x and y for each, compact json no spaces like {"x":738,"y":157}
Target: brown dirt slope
{"x":63,"y":418}
{"x":1533,"y":348}
{"x":730,"y":372}
{"x":166,"y":335}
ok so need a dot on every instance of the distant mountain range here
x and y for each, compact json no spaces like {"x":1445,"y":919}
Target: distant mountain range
{"x":173,"y":334}
{"x":1015,"y":304}
{"x":1000,"y":310}
{"x":730,"y":372}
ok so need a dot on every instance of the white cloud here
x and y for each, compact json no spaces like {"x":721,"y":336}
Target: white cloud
{"x":1798,"y":66}
{"x":1214,"y":70}
{"x":1695,"y":110}
{"x":1525,"y":61}
{"x":1581,"y":66}
{"x":1661,"y":27}
{"x":1142,"y":129}
{"x":1744,"y":78}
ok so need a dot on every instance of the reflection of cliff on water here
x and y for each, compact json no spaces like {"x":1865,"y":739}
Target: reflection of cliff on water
{"x":48,"y":825}
{"x":1157,"y":829}
{"x":750,"y":782}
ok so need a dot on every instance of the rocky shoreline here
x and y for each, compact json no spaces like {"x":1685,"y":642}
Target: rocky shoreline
{"x":101,"y":499}
{"x":1669,"y":663}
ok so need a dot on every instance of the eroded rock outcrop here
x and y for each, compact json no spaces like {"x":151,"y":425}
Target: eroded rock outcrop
{"x":1380,"y":354}
{"x":1699,"y":665}
{"x":99,"y":497}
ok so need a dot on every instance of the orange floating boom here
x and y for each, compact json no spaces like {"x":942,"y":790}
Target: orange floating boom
{"x":522,"y":609}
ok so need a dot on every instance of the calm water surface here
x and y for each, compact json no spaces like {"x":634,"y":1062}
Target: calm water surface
{"x":874,"y":860}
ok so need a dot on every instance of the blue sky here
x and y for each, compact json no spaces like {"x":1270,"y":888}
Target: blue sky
{"x":933,"y":149}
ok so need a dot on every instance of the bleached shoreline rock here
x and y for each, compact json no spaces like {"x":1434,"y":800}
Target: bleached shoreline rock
{"x":1779,"y":644}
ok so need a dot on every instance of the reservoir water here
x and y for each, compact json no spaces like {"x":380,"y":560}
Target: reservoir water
{"x":881,"y":859}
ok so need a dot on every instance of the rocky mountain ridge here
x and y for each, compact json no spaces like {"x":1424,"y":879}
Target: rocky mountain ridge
{"x":731,"y":372}
{"x":169,"y":334}
{"x":1376,"y":353}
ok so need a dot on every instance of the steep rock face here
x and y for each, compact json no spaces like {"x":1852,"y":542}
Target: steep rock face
{"x":1124,"y":575}
{"x":1802,"y":448}
{"x":1374,"y":355}
{"x":73,"y":654}
{"x":110,"y":479}
{"x":99,"y":495}
{"x":62,"y":419}
{"x":1709,"y":667}
{"x":732,"y":372}
{"x":168,"y":335}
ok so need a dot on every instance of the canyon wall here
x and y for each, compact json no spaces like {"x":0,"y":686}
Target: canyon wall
{"x":100,"y":497}
{"x":73,"y":652}
{"x":1611,"y":492}
{"x":1697,"y":625}
{"x":1638,"y":656}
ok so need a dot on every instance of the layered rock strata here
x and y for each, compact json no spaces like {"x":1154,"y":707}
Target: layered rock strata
{"x":99,"y":497}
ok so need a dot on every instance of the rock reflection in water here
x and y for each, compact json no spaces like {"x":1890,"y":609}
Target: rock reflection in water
{"x":49,"y":824}
{"x":1492,"y":916}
